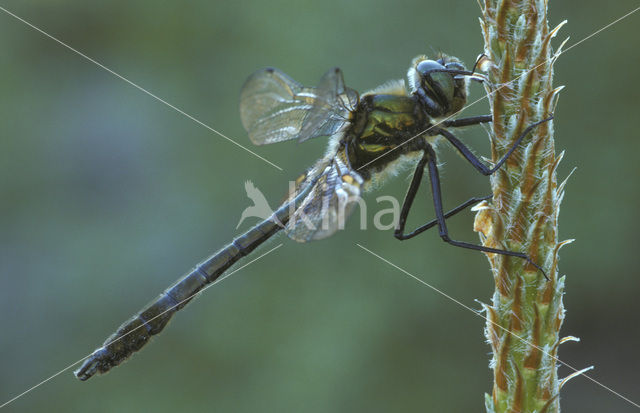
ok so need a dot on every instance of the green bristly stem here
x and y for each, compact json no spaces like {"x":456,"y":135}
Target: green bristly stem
{"x":526,"y":310}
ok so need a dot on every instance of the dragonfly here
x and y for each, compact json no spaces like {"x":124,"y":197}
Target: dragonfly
{"x":370,"y":137}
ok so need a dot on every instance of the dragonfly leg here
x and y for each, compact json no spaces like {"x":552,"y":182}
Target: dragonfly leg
{"x":473,"y":120}
{"x":473,"y":160}
{"x":434,"y":178}
{"x":410,"y":196}
{"x":408,"y":201}
{"x":399,"y":234}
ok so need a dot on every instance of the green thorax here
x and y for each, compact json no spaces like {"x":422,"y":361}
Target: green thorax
{"x":380,"y":124}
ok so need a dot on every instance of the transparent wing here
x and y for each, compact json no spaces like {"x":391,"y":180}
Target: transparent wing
{"x":275,"y":108}
{"x":327,"y":205}
{"x":331,"y":107}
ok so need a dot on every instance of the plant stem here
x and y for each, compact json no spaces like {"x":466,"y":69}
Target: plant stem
{"x":526,"y":311}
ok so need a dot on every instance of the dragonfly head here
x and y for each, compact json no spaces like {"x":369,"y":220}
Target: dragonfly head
{"x":440,"y":84}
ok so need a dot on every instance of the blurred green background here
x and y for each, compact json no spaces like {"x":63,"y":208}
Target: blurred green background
{"x":108,"y":196}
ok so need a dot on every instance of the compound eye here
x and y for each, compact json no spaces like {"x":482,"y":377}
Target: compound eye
{"x":427,"y":66}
